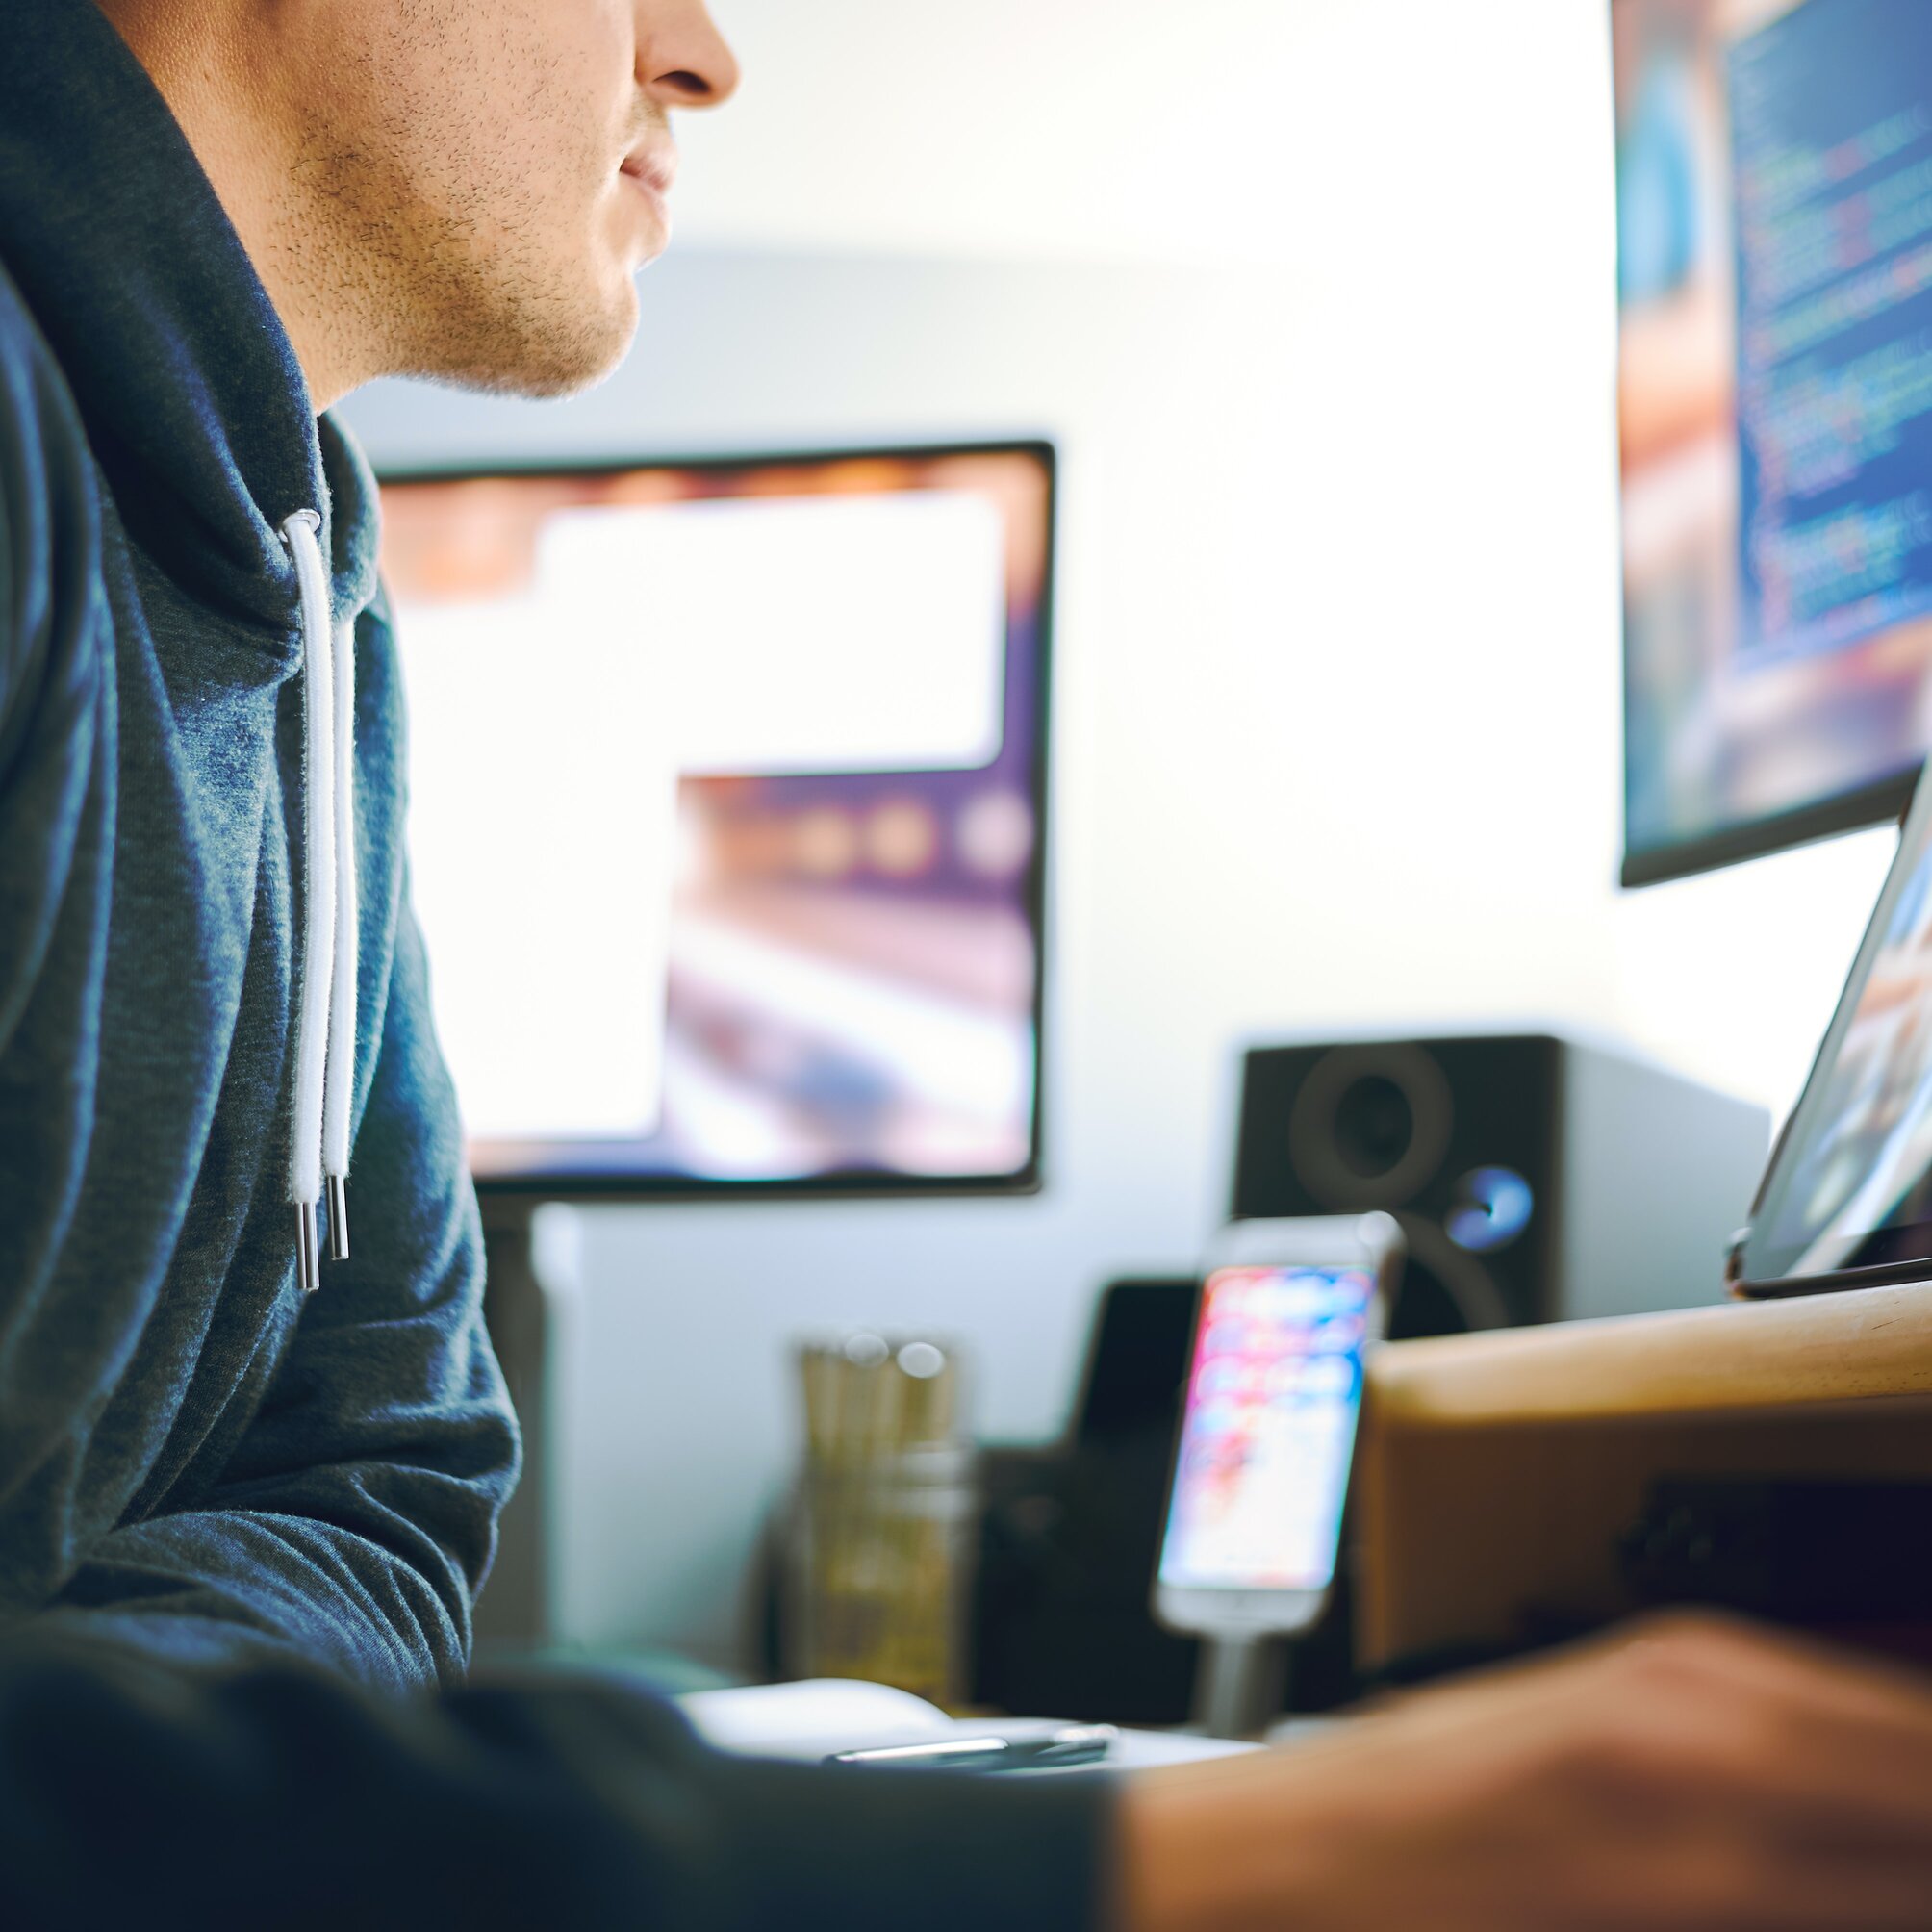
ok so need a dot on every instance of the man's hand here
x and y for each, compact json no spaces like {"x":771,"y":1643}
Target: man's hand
{"x":1689,"y":1774}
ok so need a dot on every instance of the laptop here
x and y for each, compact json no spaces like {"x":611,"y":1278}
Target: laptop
{"x":1847,"y":1200}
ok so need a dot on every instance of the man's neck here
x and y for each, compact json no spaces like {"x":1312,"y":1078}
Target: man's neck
{"x":222,"y":77}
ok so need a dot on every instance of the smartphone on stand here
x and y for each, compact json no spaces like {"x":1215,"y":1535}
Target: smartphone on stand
{"x":1287,"y":1313}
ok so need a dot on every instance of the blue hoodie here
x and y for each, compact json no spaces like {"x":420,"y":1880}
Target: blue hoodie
{"x":223,"y":1501}
{"x":192,"y":1450}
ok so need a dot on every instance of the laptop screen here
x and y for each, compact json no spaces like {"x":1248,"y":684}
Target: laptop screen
{"x":1850,"y":1185}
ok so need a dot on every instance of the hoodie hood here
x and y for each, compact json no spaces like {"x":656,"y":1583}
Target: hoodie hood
{"x":193,"y":400}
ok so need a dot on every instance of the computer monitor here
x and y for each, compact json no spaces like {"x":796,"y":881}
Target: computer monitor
{"x":727,"y":803}
{"x":1774,"y":231}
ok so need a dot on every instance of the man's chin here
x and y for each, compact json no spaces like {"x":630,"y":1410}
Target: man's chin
{"x":548,"y":353}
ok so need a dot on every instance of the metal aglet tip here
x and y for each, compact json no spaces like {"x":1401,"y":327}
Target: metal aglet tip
{"x":339,"y":1217}
{"x":308,"y":1257}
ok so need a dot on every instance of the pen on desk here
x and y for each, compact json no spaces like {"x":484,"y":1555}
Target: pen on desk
{"x":1043,"y":1751}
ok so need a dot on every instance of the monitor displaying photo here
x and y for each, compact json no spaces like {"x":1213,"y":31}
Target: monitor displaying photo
{"x":728,"y":788}
{"x":1774,"y":238}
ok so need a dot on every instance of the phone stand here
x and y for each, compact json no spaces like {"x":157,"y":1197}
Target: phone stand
{"x":1238,"y":1685}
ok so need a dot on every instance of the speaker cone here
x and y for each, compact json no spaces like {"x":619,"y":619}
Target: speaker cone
{"x":1370,"y":1126}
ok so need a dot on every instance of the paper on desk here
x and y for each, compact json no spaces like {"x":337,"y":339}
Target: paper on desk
{"x":811,"y":1719}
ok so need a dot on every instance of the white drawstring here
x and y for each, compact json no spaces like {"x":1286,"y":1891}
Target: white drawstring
{"x":325,"y":995}
{"x":338,"y":1089}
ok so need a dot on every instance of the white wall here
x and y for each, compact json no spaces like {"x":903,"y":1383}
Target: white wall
{"x":1338,"y":688}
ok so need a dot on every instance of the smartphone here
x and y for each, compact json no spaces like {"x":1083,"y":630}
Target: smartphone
{"x":1287,"y":1314}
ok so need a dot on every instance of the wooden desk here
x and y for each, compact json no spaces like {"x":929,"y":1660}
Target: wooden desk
{"x":1496,"y":1472}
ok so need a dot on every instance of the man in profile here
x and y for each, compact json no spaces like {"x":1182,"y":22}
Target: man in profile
{"x":252,"y":1440}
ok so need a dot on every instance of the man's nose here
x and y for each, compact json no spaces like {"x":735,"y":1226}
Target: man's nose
{"x":683,"y":61}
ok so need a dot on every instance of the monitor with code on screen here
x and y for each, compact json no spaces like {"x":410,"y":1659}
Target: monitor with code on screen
{"x":1774,"y":232}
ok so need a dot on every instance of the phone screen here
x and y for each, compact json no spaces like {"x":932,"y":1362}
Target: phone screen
{"x":1269,"y":1430}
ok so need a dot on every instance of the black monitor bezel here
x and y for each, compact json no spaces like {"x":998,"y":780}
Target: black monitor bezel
{"x":1883,"y":802}
{"x":843,"y":1184}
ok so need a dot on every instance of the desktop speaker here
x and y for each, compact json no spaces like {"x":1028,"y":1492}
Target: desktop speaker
{"x":1537,"y":1178}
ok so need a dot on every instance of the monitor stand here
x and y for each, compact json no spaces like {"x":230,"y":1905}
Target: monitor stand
{"x":530,"y":1252}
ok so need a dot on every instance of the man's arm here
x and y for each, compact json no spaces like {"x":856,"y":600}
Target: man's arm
{"x":1687,"y":1776}
{"x":134,"y":1795}
{"x":1701,"y":1780}
{"x":355,"y":1520}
